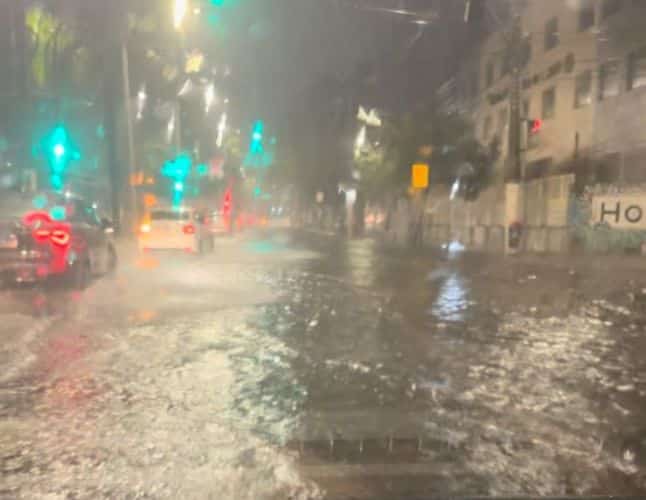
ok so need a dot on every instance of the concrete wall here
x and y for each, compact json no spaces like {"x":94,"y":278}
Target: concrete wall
{"x":596,"y":234}
{"x":541,"y":205}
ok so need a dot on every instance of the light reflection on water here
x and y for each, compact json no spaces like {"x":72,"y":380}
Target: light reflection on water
{"x":501,"y":396}
{"x":451,"y":302}
{"x":362,"y":260}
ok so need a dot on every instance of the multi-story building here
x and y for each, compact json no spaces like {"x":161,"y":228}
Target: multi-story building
{"x":582,"y":80}
{"x":619,"y":136}
{"x":583,"y":69}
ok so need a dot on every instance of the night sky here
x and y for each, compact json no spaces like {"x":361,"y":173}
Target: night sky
{"x":295,"y":42}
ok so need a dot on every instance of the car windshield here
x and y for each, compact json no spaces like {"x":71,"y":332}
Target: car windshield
{"x":312,"y":249}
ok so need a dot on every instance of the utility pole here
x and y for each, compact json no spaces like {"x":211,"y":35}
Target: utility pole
{"x":515,"y":41}
{"x":110,"y":103}
{"x":515,"y":53}
{"x":134,"y":209}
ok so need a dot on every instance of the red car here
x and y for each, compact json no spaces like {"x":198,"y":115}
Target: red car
{"x":53,"y":237}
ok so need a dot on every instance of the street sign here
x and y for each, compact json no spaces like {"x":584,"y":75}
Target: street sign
{"x":419,"y":177}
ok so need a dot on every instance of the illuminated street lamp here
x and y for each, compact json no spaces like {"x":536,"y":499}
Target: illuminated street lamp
{"x":170,"y":128}
{"x":222,"y":125}
{"x":360,"y":141}
{"x":141,"y":102}
{"x":179,"y":13}
{"x":209,"y":96}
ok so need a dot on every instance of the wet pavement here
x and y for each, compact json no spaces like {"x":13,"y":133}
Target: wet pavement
{"x":291,"y":365}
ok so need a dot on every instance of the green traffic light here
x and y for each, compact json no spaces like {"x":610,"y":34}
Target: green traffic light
{"x":202,"y":169}
{"x":59,"y":151}
{"x":256,"y":138}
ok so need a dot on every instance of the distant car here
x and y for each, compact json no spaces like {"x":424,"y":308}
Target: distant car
{"x":180,"y":228}
{"x":216,"y":223}
{"x":53,"y":237}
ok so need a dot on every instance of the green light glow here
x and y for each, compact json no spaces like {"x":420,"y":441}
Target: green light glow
{"x":58,"y":213}
{"x":256,"y":138}
{"x":59,"y":151}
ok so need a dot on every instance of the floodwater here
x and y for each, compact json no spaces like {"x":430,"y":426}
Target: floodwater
{"x":287,"y":365}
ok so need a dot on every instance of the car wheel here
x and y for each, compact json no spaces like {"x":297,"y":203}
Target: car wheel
{"x":79,"y":277}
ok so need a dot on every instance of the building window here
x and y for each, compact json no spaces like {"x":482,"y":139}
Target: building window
{"x":609,"y":80}
{"x":549,"y":103}
{"x":551,"y":33}
{"x":489,"y":74}
{"x":611,"y":7}
{"x":486,"y":128}
{"x":569,"y":63}
{"x":586,"y":15}
{"x":583,"y":89}
{"x":636,"y":76}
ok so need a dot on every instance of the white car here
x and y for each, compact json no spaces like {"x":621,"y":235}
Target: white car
{"x":174,"y":229}
{"x":216,"y":223}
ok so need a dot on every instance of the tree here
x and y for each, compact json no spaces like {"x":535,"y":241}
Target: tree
{"x":408,"y":138}
{"x":457,"y":154}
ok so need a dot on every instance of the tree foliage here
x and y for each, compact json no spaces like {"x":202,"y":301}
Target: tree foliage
{"x":409,"y":138}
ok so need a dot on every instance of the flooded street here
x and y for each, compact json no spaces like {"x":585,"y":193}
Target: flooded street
{"x":287,"y":365}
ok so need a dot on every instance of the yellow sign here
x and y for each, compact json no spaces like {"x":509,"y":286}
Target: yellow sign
{"x":419,"y":176}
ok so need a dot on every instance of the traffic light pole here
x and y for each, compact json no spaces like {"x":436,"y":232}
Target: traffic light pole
{"x":134,"y":209}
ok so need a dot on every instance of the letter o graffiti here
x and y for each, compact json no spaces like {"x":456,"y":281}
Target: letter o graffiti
{"x":637,"y":211}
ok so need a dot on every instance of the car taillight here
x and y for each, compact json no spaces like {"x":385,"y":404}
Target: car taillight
{"x":42,"y":235}
{"x":189,"y":229}
{"x":60,"y":237}
{"x":36,"y":218}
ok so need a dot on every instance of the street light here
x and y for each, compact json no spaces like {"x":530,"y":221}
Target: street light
{"x":141,"y":102}
{"x":209,"y":96}
{"x":360,"y":141}
{"x":221,"y":128}
{"x":179,"y":13}
{"x":170,"y":128}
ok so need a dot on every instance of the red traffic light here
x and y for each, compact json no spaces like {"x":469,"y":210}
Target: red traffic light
{"x":226,"y":205}
{"x":535,"y":126}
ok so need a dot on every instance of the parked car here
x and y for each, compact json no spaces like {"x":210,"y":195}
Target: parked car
{"x":53,"y":237}
{"x":175,"y":228}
